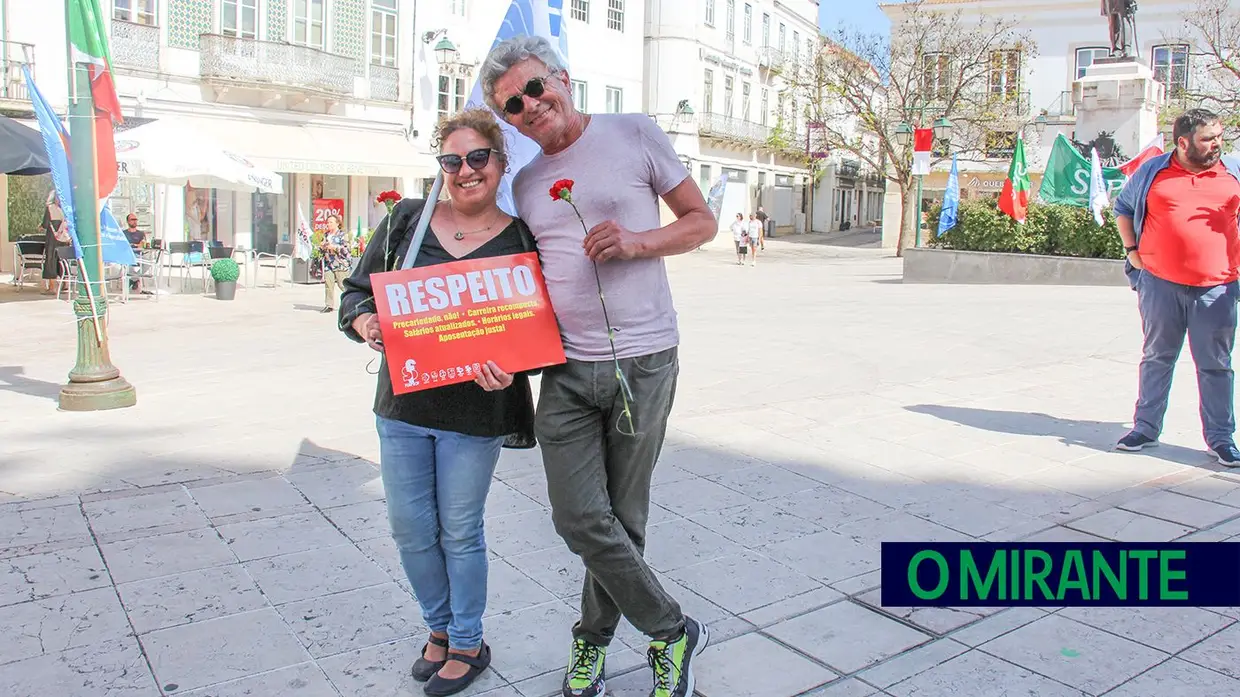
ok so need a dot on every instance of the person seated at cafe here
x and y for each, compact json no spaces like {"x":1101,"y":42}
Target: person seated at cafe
{"x":135,"y":236}
{"x":137,"y":240}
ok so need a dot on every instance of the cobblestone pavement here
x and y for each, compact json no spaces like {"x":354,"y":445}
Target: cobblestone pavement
{"x":227,"y":536}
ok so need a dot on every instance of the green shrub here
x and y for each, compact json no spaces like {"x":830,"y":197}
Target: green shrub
{"x":27,"y":199}
{"x":225,"y":270}
{"x":1048,"y":229}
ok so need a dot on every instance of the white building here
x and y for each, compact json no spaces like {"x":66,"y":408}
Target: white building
{"x":340,"y":97}
{"x":1069,"y":35}
{"x":709,"y":83}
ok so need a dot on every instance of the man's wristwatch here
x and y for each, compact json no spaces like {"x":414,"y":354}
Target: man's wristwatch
{"x":1130,"y":250}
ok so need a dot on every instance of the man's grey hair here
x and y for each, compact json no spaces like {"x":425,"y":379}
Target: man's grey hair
{"x":510,"y":52}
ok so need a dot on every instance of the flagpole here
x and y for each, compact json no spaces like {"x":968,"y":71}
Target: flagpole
{"x":917,"y":240}
{"x":94,"y":383}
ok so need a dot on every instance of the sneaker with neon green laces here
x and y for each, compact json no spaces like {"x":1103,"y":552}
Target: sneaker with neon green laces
{"x":584,"y":677}
{"x":672,"y":660}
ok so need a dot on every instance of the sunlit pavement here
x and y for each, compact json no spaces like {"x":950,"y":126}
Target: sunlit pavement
{"x":227,"y":536}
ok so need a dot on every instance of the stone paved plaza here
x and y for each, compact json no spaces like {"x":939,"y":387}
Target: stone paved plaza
{"x":227,"y":536}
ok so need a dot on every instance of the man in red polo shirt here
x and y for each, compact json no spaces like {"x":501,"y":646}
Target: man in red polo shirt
{"x":1177,"y":216}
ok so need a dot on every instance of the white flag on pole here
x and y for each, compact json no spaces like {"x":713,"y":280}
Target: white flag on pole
{"x":302,"y":245}
{"x":1097,"y":187}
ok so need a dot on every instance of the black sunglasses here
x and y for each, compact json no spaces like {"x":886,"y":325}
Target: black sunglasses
{"x":477,"y":160}
{"x":533,"y":89}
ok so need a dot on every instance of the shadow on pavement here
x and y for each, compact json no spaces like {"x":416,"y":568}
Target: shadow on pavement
{"x":1095,"y":435}
{"x":747,"y":532}
{"x":12,"y":379}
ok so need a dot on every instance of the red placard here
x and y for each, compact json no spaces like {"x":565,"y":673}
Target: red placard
{"x":441,"y":323}
{"x":324,"y":207}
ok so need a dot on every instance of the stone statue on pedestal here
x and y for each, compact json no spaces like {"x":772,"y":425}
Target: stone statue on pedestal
{"x":1122,"y":20}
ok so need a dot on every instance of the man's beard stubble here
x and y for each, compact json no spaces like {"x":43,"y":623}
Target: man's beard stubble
{"x":1203,"y":157}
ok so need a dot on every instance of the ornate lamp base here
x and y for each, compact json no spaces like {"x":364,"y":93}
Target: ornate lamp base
{"x":94,"y":383}
{"x":116,"y":393}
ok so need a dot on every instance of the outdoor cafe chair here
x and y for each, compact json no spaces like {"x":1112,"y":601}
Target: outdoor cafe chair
{"x":148,"y":268}
{"x":119,"y":274}
{"x":282,"y":258}
{"x":70,"y":272}
{"x":188,"y":256}
{"x":28,"y":257}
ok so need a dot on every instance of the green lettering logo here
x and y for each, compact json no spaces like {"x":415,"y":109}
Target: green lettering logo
{"x":944,"y":574}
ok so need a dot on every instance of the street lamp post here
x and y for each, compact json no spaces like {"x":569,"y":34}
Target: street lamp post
{"x":94,"y":383}
{"x":445,"y":50}
{"x":904,"y":133}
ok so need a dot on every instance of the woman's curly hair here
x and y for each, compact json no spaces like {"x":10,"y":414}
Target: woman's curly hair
{"x":477,"y":119}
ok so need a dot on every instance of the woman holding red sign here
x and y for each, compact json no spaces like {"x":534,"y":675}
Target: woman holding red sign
{"x":439,"y":447}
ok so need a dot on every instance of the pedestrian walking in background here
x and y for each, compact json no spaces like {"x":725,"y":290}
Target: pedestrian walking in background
{"x":337,"y":251}
{"x":755,"y":238}
{"x":740,"y":236}
{"x":1177,"y":216}
{"x":55,"y":236}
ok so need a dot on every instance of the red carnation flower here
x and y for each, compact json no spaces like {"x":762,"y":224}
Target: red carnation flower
{"x":562,"y":189}
{"x":386,"y":196}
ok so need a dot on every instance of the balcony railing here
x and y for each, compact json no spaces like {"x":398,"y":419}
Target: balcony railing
{"x":770,"y":57}
{"x":270,"y":64}
{"x":135,"y":46}
{"x":14,"y":55}
{"x":732,"y":128}
{"x":1062,"y":106}
{"x":384,"y":83}
{"x":850,"y":169}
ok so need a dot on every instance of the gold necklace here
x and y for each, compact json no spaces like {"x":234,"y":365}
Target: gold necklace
{"x":456,"y":220}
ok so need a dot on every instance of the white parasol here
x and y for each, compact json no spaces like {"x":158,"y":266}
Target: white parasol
{"x":163,"y":152}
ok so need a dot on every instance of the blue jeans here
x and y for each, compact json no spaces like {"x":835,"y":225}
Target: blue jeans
{"x":1208,"y":316}
{"x":436,"y":484}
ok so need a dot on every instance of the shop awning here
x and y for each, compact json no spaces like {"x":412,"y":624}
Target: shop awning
{"x":317,"y":149}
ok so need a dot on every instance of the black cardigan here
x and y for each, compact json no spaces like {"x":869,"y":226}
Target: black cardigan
{"x":463,"y":407}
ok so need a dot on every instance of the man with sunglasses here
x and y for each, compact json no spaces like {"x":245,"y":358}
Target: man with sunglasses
{"x":598,"y":469}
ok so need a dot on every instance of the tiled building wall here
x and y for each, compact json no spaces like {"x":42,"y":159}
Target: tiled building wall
{"x":348,"y":33}
{"x":277,"y":20}
{"x":187,"y":19}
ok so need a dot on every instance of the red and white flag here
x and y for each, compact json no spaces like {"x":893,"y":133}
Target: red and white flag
{"x":303,"y":245}
{"x":1152,"y":149}
{"x":923,"y":143}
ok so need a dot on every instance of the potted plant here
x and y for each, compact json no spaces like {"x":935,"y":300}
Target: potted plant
{"x":225,"y":273}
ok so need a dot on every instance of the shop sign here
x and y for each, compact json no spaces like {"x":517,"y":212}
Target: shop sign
{"x":320,"y":167}
{"x":727,"y":64}
{"x":324,"y":207}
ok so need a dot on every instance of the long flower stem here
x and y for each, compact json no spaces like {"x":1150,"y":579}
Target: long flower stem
{"x":626,"y":392}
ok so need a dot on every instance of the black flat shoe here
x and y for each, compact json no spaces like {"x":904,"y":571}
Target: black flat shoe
{"x":424,"y":669}
{"x":440,"y":687}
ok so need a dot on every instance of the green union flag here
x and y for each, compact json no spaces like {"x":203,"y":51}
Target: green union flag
{"x":1066,"y":181}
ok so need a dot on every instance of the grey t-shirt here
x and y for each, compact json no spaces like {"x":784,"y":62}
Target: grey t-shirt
{"x":620,"y":167}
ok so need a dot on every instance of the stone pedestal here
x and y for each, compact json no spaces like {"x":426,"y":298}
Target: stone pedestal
{"x":1120,"y":97}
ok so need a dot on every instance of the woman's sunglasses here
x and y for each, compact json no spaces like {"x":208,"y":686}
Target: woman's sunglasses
{"x":477,"y":160}
{"x":533,"y":89}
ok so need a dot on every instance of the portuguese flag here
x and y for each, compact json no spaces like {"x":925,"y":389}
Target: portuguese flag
{"x":1014,"y":199}
{"x":89,"y":37}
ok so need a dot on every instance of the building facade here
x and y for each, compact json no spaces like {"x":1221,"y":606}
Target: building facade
{"x":339,"y":97}
{"x":1068,"y":36}
{"x":712,"y":82}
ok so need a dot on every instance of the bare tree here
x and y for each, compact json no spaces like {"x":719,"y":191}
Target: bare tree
{"x":1210,"y":77}
{"x":861,"y":86}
